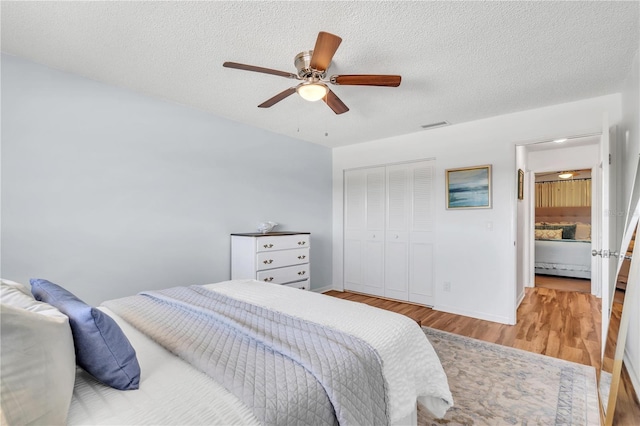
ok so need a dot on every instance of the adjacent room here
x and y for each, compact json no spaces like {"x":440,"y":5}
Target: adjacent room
{"x":265,"y":212}
{"x":563,"y":216}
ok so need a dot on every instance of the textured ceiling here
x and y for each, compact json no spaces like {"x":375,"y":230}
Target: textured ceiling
{"x":459,"y":61}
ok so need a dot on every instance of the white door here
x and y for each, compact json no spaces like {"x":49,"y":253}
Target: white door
{"x":422,"y":233}
{"x":409,"y":245}
{"x":396,"y":280}
{"x":373,"y":256}
{"x":389,"y":219}
{"x":607,"y":240}
{"x":364,"y":192}
{"x":354,"y":228}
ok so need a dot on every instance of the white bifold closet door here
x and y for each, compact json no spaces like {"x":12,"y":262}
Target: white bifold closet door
{"x":389,"y":231}
{"x":364,"y":230}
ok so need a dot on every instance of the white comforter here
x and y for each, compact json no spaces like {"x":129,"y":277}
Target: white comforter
{"x":411,"y":367}
{"x":173,"y":392}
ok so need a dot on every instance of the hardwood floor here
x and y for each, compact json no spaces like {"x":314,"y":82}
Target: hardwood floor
{"x":561,"y":324}
{"x":563,"y":283}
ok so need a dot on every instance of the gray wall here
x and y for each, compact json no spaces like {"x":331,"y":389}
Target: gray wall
{"x":108,"y":192}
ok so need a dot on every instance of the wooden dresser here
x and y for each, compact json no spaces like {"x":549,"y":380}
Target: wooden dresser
{"x":275,"y":257}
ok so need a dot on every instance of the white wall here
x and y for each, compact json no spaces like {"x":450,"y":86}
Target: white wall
{"x":108,"y":192}
{"x":631,"y":156}
{"x":479,"y":262}
{"x":577,"y":157}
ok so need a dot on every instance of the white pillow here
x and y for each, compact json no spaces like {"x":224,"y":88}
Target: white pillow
{"x":37,"y":359}
{"x":13,"y":293}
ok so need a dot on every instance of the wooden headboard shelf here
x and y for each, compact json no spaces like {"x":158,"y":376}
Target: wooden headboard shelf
{"x":563,"y":214}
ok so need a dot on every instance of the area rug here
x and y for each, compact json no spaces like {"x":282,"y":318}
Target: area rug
{"x":497,"y":385}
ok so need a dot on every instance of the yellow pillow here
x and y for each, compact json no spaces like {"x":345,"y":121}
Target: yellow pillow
{"x":548,"y":234}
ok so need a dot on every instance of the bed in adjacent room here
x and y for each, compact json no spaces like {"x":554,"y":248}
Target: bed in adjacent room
{"x":236,"y":352}
{"x":563,"y":241}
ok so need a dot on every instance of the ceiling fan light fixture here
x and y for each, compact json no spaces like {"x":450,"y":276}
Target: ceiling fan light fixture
{"x":565,"y":175}
{"x":312,"y":92}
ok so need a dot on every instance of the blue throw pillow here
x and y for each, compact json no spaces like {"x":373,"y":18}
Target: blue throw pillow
{"x":101,"y":347}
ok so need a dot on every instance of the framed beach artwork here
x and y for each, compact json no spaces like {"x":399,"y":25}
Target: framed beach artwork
{"x":469,"y":188}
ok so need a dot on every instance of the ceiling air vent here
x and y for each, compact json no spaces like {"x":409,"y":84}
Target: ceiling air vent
{"x":434,"y":125}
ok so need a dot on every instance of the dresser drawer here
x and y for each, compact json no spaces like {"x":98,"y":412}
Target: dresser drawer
{"x":302,"y":285}
{"x":284,"y":275}
{"x":280,"y":258}
{"x":282,"y":242}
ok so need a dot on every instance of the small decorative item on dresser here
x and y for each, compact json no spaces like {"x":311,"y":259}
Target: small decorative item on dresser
{"x":266,"y":227}
{"x":277,"y":257}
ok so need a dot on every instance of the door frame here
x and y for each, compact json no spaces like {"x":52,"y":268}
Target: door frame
{"x":528,"y":243}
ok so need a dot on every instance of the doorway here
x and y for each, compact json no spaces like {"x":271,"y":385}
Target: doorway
{"x":562,"y":230}
{"x":559,"y":205}
{"x":596,"y":152}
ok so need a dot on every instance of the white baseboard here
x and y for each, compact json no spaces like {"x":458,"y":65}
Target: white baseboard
{"x":520,"y":299}
{"x":473,"y":314}
{"x":323,"y":289}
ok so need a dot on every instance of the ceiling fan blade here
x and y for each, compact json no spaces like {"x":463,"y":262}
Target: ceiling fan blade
{"x":326,"y":46}
{"x":366,"y":80}
{"x":277,"y":98}
{"x":259,"y":69}
{"x":335,"y":103}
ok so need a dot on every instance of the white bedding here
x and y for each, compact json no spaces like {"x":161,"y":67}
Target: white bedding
{"x":411,"y":367}
{"x":173,"y":392}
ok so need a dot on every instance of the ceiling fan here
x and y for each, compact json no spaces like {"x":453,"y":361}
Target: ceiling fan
{"x":312,"y":66}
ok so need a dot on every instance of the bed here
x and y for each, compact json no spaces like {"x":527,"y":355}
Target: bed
{"x":362,"y":364}
{"x":563,"y":241}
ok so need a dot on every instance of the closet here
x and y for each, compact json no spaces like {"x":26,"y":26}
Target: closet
{"x":389,"y":229}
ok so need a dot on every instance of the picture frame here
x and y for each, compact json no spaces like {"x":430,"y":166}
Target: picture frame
{"x":520,"y":184}
{"x":468,"y":187}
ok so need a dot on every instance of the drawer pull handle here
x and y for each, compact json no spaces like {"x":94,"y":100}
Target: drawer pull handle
{"x":268,"y":262}
{"x":269,"y":279}
{"x":302,"y":272}
{"x":302,"y":257}
{"x":267,"y":245}
{"x":303,"y":288}
{"x":301,"y":243}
